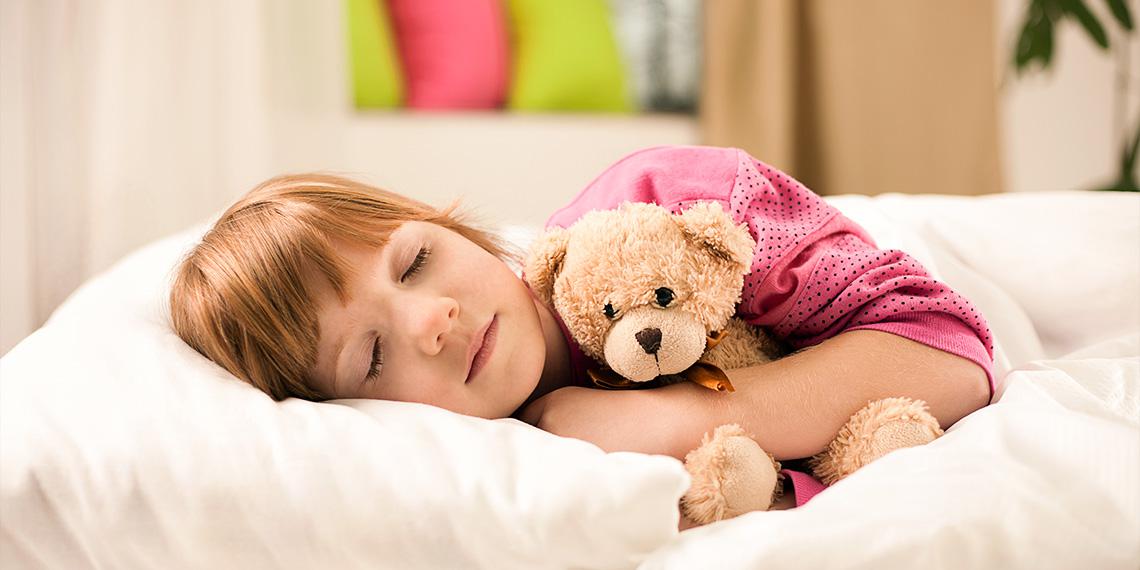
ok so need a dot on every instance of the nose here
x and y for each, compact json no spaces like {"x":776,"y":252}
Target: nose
{"x":649,"y":339}
{"x":432,"y":322}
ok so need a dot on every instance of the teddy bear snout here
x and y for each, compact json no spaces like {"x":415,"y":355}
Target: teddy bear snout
{"x":649,"y":339}
{"x":647,"y":342}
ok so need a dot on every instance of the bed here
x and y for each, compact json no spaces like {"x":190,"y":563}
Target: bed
{"x":120,"y":447}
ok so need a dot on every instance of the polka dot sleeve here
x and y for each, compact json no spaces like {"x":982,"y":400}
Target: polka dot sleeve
{"x":815,"y":274}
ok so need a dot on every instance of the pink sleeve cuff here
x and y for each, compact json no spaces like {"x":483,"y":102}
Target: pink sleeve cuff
{"x":942,"y":331}
{"x":804,"y":485}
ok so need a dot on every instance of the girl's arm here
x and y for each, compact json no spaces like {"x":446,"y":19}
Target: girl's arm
{"x":793,"y":406}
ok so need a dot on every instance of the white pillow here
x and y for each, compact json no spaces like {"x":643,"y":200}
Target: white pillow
{"x":123,"y":448}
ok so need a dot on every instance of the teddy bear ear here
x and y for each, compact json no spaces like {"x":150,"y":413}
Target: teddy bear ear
{"x":544,"y":262}
{"x":709,"y":226}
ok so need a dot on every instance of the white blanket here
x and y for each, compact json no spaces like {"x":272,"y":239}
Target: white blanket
{"x":1045,"y":478}
{"x":1048,"y":475}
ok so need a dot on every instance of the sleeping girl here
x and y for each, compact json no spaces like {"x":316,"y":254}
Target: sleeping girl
{"x":319,"y":287}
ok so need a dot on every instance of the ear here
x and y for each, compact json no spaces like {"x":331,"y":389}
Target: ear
{"x":710,"y":227}
{"x":544,"y":262}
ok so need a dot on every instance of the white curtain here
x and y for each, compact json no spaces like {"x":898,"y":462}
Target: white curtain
{"x":123,"y":121}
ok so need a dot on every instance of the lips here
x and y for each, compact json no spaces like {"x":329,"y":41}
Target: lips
{"x":481,"y":347}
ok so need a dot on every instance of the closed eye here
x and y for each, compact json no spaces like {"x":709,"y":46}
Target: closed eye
{"x":377,"y":362}
{"x":417,"y":263}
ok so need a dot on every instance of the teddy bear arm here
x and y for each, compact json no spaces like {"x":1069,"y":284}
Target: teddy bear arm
{"x":731,"y":475}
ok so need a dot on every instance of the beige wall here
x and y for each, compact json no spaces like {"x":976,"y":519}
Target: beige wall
{"x":513,"y":167}
{"x":1058,"y":130}
{"x":517,"y":168}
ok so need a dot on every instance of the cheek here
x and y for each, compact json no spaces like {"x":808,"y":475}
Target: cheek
{"x":408,"y":378}
{"x":482,"y":273}
{"x":421,"y":387}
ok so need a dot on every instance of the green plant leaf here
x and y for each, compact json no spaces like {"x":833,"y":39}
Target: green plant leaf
{"x":1121,"y":12}
{"x":1091,"y":25}
{"x":1128,"y":158}
{"x":1035,"y":42}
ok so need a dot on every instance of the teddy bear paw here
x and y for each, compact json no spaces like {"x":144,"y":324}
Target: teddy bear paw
{"x":879,"y":428}
{"x":731,"y":475}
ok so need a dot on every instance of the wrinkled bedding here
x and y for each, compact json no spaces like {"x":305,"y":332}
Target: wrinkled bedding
{"x":120,"y":447}
{"x":1048,"y":476}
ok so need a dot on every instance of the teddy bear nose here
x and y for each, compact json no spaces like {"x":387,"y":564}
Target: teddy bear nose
{"x":649,"y":339}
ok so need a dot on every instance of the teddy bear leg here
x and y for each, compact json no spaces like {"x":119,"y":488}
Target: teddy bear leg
{"x":731,"y":475}
{"x":878,"y":428}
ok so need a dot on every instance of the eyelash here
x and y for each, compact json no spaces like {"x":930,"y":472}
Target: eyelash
{"x":377,"y":361}
{"x":417,"y":263}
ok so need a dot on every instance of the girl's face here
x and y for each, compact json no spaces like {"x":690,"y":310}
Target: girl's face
{"x":430,"y":318}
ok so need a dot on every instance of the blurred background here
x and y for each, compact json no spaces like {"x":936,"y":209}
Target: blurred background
{"x":124,"y":121}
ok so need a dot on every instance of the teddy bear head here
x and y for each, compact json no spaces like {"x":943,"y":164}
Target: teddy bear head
{"x":641,"y":289}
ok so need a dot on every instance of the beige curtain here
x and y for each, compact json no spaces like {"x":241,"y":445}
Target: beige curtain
{"x":857,"y":97}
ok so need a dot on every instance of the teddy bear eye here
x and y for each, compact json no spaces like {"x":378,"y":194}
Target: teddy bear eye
{"x":609,"y":311}
{"x":664,"y":296}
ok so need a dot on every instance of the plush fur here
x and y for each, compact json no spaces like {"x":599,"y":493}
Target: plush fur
{"x":641,"y":289}
{"x":731,"y":475}
{"x":877,"y":429}
{"x":699,"y":256}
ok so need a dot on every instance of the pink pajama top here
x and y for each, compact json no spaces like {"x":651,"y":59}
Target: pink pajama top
{"x":814,"y":274}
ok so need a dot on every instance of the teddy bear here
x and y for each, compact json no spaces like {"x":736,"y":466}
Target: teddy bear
{"x":650,"y":296}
